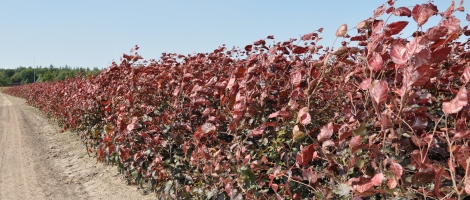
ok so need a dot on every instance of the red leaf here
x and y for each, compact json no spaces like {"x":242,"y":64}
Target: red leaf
{"x":260,"y":42}
{"x":392,"y":183}
{"x":380,"y":91}
{"x":309,"y":36}
{"x":365,"y":84}
{"x":399,"y":54}
{"x":456,"y":104}
{"x":421,"y":13}
{"x":421,"y":75}
{"x":452,"y":24}
{"x":377,"y":179}
{"x":359,"y":38}
{"x":415,"y":46}
{"x":376,"y":62}
{"x":379,"y":11}
{"x":270,"y":37}
{"x":304,"y":117}
{"x":248,"y":47}
{"x":208,"y":127}
{"x":437,"y":183}
{"x":440,"y":54}
{"x":423,"y":57}
{"x":449,"y":10}
{"x":395,"y":28}
{"x":436,"y":32}
{"x":466,"y":74}
{"x":299,"y":50}
{"x":468,"y":17}
{"x":402,"y":11}
{"x":423,"y":177}
{"x":306,"y":155}
{"x":467,"y":185}
{"x":257,"y":132}
{"x":296,"y":78}
{"x":397,"y":169}
{"x":354,"y":143}
{"x":274,"y":114}
{"x":325,"y":132}
{"x":460,"y":8}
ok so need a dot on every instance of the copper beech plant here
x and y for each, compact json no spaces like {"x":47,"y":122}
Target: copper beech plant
{"x":381,"y":115}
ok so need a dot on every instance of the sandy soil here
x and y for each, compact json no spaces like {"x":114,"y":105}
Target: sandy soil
{"x":38,"y":162}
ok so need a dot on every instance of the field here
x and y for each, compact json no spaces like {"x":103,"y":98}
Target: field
{"x":381,"y":115}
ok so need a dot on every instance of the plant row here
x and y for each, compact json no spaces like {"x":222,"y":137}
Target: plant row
{"x":379,"y":115}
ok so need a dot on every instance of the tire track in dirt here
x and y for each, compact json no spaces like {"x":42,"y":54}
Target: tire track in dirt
{"x":38,"y":162}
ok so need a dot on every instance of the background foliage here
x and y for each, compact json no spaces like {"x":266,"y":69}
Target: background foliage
{"x":25,"y":75}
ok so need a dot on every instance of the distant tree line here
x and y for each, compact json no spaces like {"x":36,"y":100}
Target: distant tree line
{"x":25,"y":75}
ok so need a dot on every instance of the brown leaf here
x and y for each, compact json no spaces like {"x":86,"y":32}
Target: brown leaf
{"x":340,"y":51}
{"x":380,"y":92}
{"x":325,"y":132}
{"x":297,"y":134}
{"x":456,"y":104}
{"x":362,"y":25}
{"x":423,"y":177}
{"x":342,"y":30}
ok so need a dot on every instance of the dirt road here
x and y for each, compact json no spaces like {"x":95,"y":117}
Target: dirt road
{"x":38,"y":162}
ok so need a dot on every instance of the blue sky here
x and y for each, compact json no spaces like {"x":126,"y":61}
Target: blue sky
{"x":91,"y":33}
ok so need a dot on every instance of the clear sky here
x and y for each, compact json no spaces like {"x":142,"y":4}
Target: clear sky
{"x":91,"y":33}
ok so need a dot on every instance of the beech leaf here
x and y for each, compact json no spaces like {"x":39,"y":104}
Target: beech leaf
{"x":399,"y":54}
{"x":325,"y":132}
{"x":467,"y":185}
{"x":402,"y":11}
{"x":377,"y":179}
{"x":380,"y":11}
{"x":466,"y":74}
{"x":392,"y":183}
{"x":397,"y":169}
{"x":395,"y":28}
{"x":304,"y":117}
{"x":379,"y":92}
{"x":342,"y":30}
{"x":456,"y":104}
{"x":376,"y":62}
